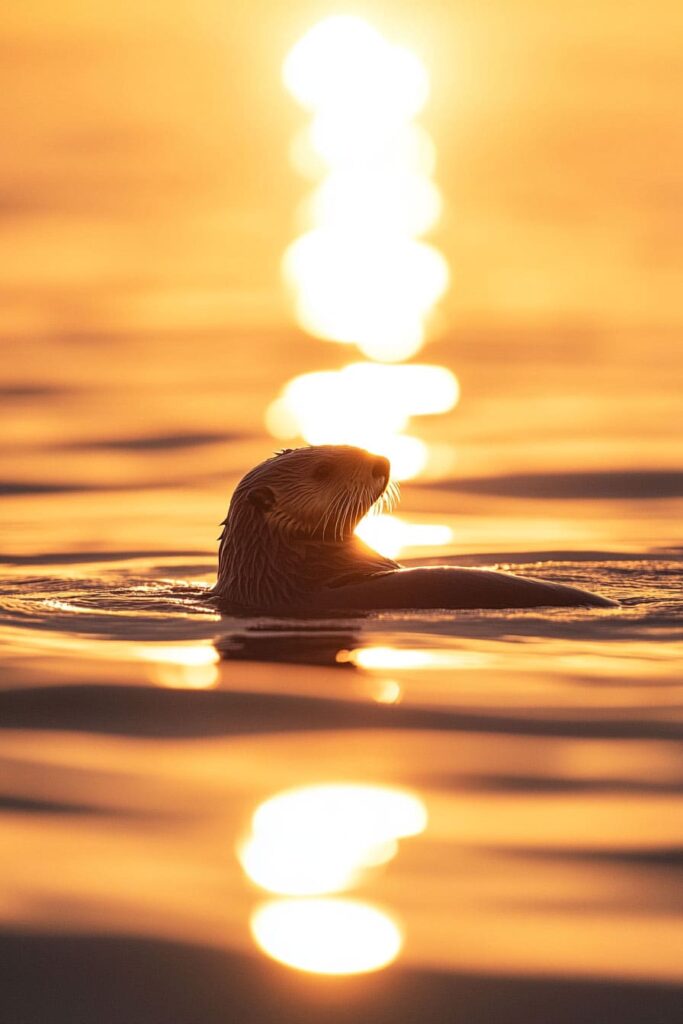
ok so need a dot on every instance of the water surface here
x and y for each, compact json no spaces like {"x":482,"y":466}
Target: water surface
{"x":146,"y":203}
{"x":140,"y":730}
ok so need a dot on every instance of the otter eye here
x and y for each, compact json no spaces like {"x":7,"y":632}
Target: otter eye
{"x":322,"y":472}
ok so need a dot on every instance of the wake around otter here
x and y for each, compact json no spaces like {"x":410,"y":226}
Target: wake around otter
{"x":288,"y":546}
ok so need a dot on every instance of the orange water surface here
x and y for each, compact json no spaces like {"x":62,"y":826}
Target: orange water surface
{"x":409,"y":816}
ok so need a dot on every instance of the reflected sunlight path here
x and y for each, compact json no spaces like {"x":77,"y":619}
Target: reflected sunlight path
{"x":361,"y":273}
{"x":318,"y":841}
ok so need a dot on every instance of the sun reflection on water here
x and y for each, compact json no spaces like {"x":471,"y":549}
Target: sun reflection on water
{"x":393,"y":658}
{"x":182,"y":666}
{"x":390,"y":534}
{"x":316,"y":406}
{"x":327,"y":936}
{"x":360,"y":272}
{"x":359,"y":275}
{"x":322,"y":840}
{"x":374,"y":291}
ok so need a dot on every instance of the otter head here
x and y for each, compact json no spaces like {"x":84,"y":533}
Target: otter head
{"x":291,"y":521}
{"x":320,"y":493}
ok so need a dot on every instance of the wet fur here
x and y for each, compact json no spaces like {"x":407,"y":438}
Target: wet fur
{"x":288,"y":546}
{"x":279,"y":555}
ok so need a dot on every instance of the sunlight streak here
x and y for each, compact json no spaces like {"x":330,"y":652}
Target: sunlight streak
{"x":394,"y":658}
{"x":316,"y":407}
{"x":359,"y":274}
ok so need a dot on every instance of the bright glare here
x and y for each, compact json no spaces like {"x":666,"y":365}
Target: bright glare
{"x":182,"y":666}
{"x":326,"y":936}
{"x":372,"y":291}
{"x":379,"y":812}
{"x":393,"y":658}
{"x":406,"y":203}
{"x":389,"y":658}
{"x":361,"y":145}
{"x":390,"y":535}
{"x":317,"y":407}
{"x":360,"y":276}
{"x":361,"y":273}
{"x":322,"y":839}
{"x":322,"y":865}
{"x":344,"y":64}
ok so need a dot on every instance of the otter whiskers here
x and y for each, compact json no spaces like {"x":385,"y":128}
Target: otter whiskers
{"x":387,"y":501}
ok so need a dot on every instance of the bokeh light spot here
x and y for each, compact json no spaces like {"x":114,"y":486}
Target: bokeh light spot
{"x":327,"y":936}
{"x":182,"y":666}
{"x":322,"y":839}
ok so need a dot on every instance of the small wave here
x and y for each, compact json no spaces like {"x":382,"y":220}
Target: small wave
{"x":615,"y":484}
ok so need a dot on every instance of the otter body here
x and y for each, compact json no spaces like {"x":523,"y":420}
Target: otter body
{"x":445,"y":586}
{"x":288,"y":546}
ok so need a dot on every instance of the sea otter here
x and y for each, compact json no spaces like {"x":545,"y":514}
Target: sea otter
{"x":288,"y":546}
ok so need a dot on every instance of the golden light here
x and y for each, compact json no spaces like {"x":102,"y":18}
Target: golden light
{"x":380,"y":812}
{"x":360,"y":144}
{"x":344,"y":63}
{"x":389,"y":657}
{"x":322,"y":839}
{"x":390,"y":535}
{"x":360,"y":276}
{"x":327,"y":936}
{"x":395,"y":658}
{"x":388,"y":692}
{"x":373,"y":291}
{"x":321,"y":867}
{"x":182,"y":666}
{"x":356,"y":199}
{"x":316,"y":406}
{"x":360,"y":272}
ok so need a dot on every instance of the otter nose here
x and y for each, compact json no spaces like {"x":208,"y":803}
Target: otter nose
{"x":380,"y":467}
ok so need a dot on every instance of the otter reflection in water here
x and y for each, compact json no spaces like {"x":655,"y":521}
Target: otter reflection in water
{"x":288,"y":545}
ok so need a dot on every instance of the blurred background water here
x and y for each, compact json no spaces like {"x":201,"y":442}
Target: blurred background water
{"x":525,"y":766}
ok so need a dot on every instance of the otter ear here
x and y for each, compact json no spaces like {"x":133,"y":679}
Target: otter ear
{"x":261,"y":498}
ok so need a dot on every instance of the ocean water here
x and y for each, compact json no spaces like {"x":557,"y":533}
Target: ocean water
{"x":140,"y":730}
{"x":487,"y":805}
